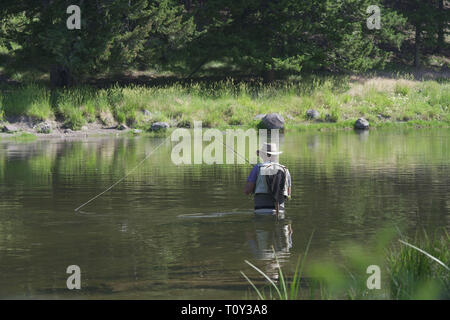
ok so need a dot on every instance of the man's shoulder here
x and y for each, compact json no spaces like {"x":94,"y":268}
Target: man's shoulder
{"x":286,"y":170}
{"x":283,"y":166}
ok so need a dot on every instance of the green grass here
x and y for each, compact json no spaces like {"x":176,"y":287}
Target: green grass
{"x":401,"y":89}
{"x":339,"y":100}
{"x":419,"y":271}
{"x":29,"y":100}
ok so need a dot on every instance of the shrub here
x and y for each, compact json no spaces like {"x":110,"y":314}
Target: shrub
{"x":120,"y":117}
{"x":401,"y":89}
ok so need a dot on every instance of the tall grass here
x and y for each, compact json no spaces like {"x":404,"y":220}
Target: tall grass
{"x":229,"y":103}
{"x":28,"y":100}
{"x":421,"y":271}
{"x":412,"y":272}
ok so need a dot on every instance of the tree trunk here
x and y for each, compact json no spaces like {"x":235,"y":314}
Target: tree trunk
{"x":188,"y":5}
{"x":417,"y":41}
{"x":441,"y":19}
{"x":60,"y":77}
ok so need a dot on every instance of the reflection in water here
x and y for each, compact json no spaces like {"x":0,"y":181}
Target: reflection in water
{"x":363,"y":135}
{"x":312,"y":142}
{"x":270,"y":241}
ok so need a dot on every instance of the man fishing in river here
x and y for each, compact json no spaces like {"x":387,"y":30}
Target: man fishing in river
{"x":269,"y":181}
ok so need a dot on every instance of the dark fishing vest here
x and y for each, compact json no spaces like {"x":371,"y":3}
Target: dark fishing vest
{"x":263,"y":197}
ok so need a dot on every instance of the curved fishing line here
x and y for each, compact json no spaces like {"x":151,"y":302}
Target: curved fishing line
{"x":121,"y":179}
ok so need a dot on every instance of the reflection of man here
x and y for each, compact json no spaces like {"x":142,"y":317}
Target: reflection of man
{"x":269,"y":181}
{"x":266,"y":243}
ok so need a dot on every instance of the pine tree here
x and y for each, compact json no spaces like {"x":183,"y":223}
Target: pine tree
{"x":353,"y":45}
{"x":114,"y":35}
{"x":427,"y":20}
{"x":265,"y":37}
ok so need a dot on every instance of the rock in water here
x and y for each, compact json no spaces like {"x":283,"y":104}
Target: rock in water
{"x":312,"y":114}
{"x":273,"y":121}
{"x":362,"y":124}
{"x":9,"y":128}
{"x":159,"y":126}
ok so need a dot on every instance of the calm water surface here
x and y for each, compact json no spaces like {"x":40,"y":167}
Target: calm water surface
{"x":174,"y":232}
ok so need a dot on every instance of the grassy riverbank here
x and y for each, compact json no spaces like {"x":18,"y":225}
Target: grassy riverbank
{"x":339,"y":101}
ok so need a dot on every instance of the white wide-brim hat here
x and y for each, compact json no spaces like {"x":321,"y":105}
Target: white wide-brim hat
{"x":270,"y":148}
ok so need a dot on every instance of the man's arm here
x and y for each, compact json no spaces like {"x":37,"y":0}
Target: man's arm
{"x":251,"y":181}
{"x":249,"y":187}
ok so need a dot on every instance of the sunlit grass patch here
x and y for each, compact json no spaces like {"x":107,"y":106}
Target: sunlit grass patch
{"x":29,"y":100}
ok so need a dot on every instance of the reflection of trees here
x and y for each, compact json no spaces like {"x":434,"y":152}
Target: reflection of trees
{"x":380,"y":148}
{"x":343,"y":182}
{"x":270,"y":241}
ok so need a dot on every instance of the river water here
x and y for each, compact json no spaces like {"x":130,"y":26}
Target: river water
{"x":184,"y":231}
